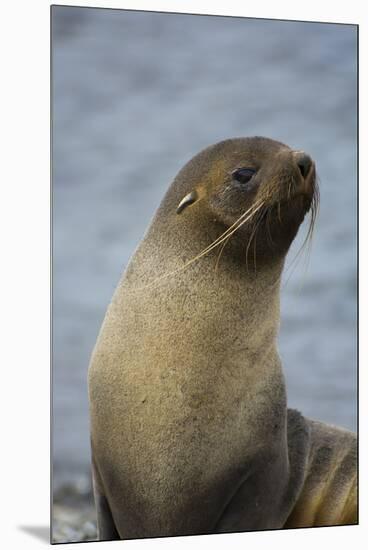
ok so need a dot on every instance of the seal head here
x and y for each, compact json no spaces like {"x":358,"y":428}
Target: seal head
{"x":274,"y":184}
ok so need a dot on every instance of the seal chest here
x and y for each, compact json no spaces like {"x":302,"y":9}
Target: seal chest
{"x":189,"y":425}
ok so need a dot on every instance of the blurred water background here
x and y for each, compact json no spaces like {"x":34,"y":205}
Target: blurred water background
{"x":136,"y":95}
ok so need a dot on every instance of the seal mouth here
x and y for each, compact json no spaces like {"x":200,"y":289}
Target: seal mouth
{"x":307,"y":172}
{"x":308,"y":185}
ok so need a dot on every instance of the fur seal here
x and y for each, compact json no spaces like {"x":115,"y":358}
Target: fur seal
{"x":190,"y":430}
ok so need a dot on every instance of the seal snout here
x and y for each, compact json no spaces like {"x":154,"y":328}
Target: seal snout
{"x":304,"y":163}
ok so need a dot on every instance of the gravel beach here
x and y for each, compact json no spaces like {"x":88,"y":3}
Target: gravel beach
{"x":73,"y":512}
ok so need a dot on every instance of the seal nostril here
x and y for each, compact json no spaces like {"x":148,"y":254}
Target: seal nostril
{"x":304,"y":163}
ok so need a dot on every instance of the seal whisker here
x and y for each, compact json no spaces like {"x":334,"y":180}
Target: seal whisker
{"x":255,"y":252}
{"x":253,"y":207}
{"x":209,"y":248}
{"x":289,"y":190}
{"x":257,"y":223}
{"x":220,"y":253}
{"x":269,"y":236}
{"x":226,"y":240}
{"x":307,"y":242}
{"x":223,"y":237}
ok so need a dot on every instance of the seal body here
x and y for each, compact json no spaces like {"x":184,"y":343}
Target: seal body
{"x":190,"y":431}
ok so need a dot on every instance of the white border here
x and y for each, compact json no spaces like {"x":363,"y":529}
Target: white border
{"x":25,"y":268}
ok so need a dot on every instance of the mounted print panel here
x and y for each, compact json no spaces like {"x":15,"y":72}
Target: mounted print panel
{"x":204,"y":274}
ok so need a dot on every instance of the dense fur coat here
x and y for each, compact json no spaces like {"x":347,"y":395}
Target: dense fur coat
{"x":190,"y":430}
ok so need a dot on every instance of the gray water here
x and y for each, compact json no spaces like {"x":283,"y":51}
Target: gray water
{"x":136,"y":95}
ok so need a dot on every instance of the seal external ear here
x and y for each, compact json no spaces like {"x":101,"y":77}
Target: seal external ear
{"x":190,"y":198}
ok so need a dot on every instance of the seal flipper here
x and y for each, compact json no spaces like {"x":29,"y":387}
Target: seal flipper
{"x":252,"y":507}
{"x":329,"y":493}
{"x":298,"y":436}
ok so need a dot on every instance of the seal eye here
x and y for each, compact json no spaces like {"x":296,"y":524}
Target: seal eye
{"x":243,"y":175}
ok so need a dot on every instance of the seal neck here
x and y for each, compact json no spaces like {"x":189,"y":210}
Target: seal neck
{"x":219,"y":288}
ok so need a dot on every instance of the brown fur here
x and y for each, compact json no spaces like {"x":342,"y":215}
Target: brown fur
{"x":189,"y":426}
